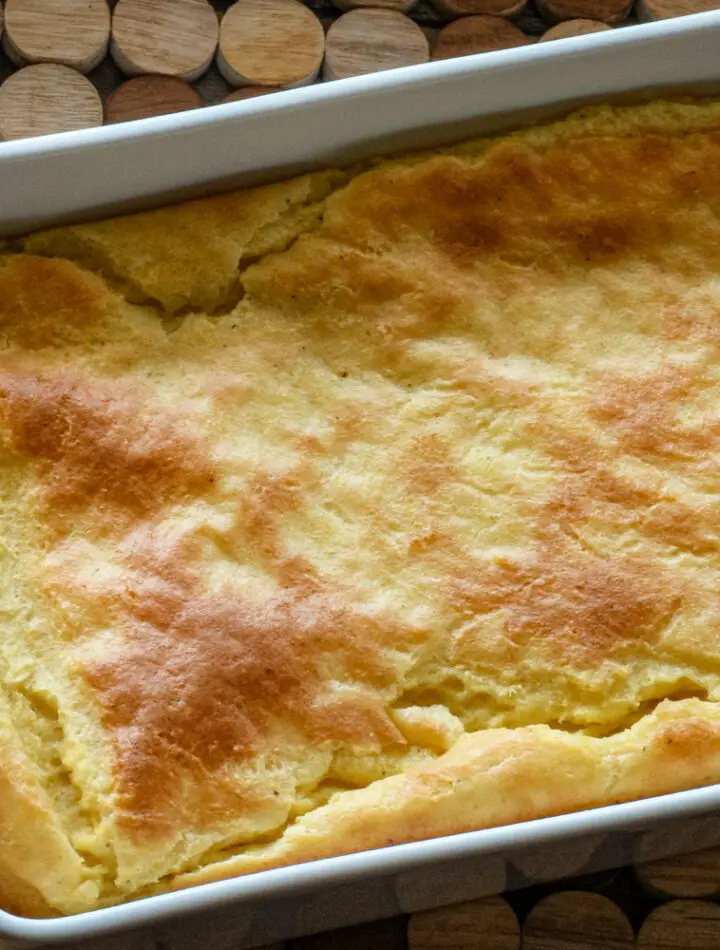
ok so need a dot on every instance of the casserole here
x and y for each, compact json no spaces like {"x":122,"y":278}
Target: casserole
{"x":30,"y":245}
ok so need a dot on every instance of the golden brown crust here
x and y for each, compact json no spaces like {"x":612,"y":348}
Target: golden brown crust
{"x":361,"y":508}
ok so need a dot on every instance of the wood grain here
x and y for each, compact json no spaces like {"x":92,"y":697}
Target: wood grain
{"x":456,"y":8}
{"x":46,"y":98}
{"x":488,"y":924}
{"x":687,"y":875}
{"x":681,"y":925}
{"x":72,"y":32}
{"x":146,"y":96}
{"x":568,"y":28}
{"x":402,"y":6}
{"x":607,"y":11}
{"x":367,"y":41}
{"x":249,"y":92}
{"x":577,"y":920}
{"x":270,"y":43}
{"x":664,"y":9}
{"x":168,"y":37}
{"x":477,"y":34}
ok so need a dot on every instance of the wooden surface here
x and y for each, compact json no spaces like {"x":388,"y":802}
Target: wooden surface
{"x":577,"y":920}
{"x":569,"y":28}
{"x":457,"y":8}
{"x":681,"y":925}
{"x":663,"y":9}
{"x":248,"y":92}
{"x":38,"y":100}
{"x":270,"y":43}
{"x":477,"y":34}
{"x":146,"y":96}
{"x":460,"y":926}
{"x":608,"y":11}
{"x":366,"y":41}
{"x":71,"y":32}
{"x":403,"y":6}
{"x":169,"y":37}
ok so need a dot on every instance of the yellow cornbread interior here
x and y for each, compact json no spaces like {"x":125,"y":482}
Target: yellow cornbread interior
{"x":361,"y":508}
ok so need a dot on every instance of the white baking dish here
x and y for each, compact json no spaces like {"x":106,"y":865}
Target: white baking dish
{"x":80,"y":174}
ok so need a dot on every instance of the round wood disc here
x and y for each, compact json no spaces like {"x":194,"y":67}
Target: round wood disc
{"x":46,"y":98}
{"x":490,"y":923}
{"x":72,"y":32}
{"x":147,"y":96}
{"x":686,"y":875}
{"x":369,"y":40}
{"x":577,"y":920}
{"x":167,"y":37}
{"x":568,"y":28}
{"x":249,"y":92}
{"x":456,"y":8}
{"x":607,"y":11}
{"x":664,"y":9}
{"x":270,"y":43}
{"x":681,"y":925}
{"x":477,"y":34}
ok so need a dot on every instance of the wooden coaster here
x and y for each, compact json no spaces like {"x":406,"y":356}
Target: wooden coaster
{"x":687,"y":875}
{"x":249,"y":92}
{"x":147,"y":96}
{"x":168,"y":37}
{"x":46,"y":98}
{"x":270,"y":43}
{"x":72,"y":32}
{"x":681,"y":925}
{"x":477,"y":34}
{"x":455,"y":8}
{"x":568,"y":28}
{"x":607,"y":11}
{"x":664,"y":9}
{"x":577,"y":920}
{"x":489,"y":923}
{"x":367,"y":41}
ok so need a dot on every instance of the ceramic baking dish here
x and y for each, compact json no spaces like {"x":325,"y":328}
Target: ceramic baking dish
{"x":83,"y":174}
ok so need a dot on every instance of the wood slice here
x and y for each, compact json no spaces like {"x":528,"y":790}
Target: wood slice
{"x":477,"y":34}
{"x":46,"y":98}
{"x":608,"y":11}
{"x":455,"y":8}
{"x":402,"y":6}
{"x":488,"y":924}
{"x":167,"y":37}
{"x":687,"y":875}
{"x":367,"y":41}
{"x":681,"y":925}
{"x":249,"y":92}
{"x":664,"y":9}
{"x":568,"y":28}
{"x":270,"y":43}
{"x":577,"y":920}
{"x":71,"y":32}
{"x":147,"y":96}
